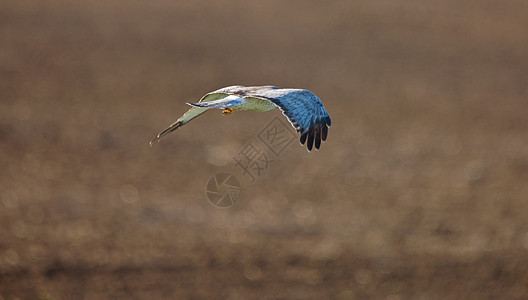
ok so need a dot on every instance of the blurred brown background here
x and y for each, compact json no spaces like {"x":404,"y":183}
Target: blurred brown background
{"x":419,"y":192}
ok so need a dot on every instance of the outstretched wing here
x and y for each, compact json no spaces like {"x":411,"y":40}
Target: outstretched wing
{"x":304,"y":110}
{"x":195,"y":111}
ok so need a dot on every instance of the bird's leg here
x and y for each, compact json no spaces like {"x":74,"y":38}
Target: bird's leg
{"x":227,"y":111}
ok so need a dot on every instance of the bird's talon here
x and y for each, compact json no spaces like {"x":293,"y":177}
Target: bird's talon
{"x":227,"y":111}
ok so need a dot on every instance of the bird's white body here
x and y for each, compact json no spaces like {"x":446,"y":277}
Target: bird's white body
{"x":255,"y":104}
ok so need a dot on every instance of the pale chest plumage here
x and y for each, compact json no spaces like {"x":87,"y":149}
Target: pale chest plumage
{"x":255,"y":104}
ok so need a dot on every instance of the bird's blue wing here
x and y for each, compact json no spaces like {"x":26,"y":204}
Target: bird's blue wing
{"x":304,"y":110}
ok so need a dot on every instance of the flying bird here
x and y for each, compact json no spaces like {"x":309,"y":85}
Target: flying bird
{"x":303,"y":109}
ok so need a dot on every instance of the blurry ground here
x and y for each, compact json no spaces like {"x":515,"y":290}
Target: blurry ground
{"x":419,"y":192}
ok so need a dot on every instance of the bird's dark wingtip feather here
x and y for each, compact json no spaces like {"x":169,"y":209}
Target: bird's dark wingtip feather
{"x":317,"y":138}
{"x":309,"y":144}
{"x":304,"y":135}
{"x":324,"y":133}
{"x":153,"y":140}
{"x":165,"y":132}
